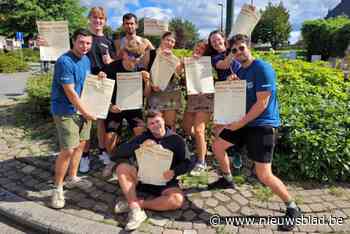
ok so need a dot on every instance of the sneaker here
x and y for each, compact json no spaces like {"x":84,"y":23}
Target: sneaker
{"x":221,"y":183}
{"x":84,"y":165}
{"x":135,"y":219}
{"x":57,"y":199}
{"x":121,"y":206}
{"x":105,"y":158}
{"x":236,"y":157}
{"x":77,"y":182}
{"x":198,"y":169}
{"x":290,"y":219}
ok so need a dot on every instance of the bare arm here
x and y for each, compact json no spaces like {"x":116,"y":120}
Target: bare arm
{"x":225,"y":63}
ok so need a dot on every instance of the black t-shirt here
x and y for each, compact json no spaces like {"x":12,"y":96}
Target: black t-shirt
{"x":100,"y":46}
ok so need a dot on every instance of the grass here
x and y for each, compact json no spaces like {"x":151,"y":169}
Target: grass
{"x":336,"y":191}
{"x":239,"y":180}
{"x":195,"y":181}
{"x":262,"y":193}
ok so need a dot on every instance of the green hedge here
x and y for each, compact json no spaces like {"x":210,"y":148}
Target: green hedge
{"x":327,"y":37}
{"x":12,"y":62}
{"x":314,"y":104}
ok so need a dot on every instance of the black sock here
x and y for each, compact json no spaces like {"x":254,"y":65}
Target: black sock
{"x":85,"y":154}
{"x":101,"y":150}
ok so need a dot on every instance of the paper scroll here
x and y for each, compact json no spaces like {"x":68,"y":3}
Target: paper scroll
{"x":129,"y":91}
{"x":229,"y":101}
{"x":162,"y":70}
{"x":246,"y":21}
{"x":154,"y":27}
{"x":153,"y":160}
{"x":56,"y":36}
{"x":199,"y":77}
{"x":97,"y":95}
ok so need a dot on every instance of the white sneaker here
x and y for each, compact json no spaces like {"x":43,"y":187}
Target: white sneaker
{"x":121,"y":206}
{"x":84,"y":166}
{"x":57,"y":199}
{"x":135,"y":219}
{"x":105,"y":158}
{"x":198,"y":169}
{"x":77,"y":182}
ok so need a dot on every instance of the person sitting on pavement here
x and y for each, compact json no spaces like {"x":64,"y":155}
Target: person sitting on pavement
{"x":73,"y":130}
{"x":168,"y":197}
{"x":131,"y":57}
{"x":257,"y":129}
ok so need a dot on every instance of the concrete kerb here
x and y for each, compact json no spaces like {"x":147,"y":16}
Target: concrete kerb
{"x":46,"y":220}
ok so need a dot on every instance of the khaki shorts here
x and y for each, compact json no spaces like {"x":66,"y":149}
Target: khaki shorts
{"x":71,"y":130}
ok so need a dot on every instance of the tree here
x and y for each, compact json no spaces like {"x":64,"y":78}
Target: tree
{"x":21,"y":15}
{"x":274,"y":26}
{"x":185,"y":31}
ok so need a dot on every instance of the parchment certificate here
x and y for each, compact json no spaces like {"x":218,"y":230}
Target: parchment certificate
{"x":154,"y":27}
{"x":229,"y":101}
{"x":162,"y":70}
{"x":56,"y":34}
{"x":129,"y":91}
{"x":152,"y":162}
{"x":246,"y":20}
{"x":97,"y":95}
{"x":199,"y":77}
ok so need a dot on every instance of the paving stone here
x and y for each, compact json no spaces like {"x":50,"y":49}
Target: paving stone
{"x":96,"y":193}
{"x":86,"y":203}
{"x":233,"y":206}
{"x":158,"y":221}
{"x":204,"y":216}
{"x":189,"y":215}
{"x":185,"y":205}
{"x":230,"y":191}
{"x":171,"y":231}
{"x":172,"y":214}
{"x":221,"y":197}
{"x":212,"y":202}
{"x":247,"y":211}
{"x":108,"y":198}
{"x":347,"y":212}
{"x":248,"y":231}
{"x":305,"y":208}
{"x":222,"y":211}
{"x":28,"y":169}
{"x":101,"y":207}
{"x":317,"y":207}
{"x":265,"y":231}
{"x":182,"y":225}
{"x":240,"y":199}
{"x":342,"y":204}
{"x":199,"y":225}
{"x":197,"y":204}
{"x":206,"y":194}
{"x":190,"y":231}
{"x":207,"y":231}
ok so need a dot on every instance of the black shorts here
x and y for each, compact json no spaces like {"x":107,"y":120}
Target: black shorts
{"x":156,"y":190}
{"x":260,"y":141}
{"x":114,"y":121}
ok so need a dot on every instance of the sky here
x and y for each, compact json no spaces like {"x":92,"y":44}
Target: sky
{"x":206,"y":14}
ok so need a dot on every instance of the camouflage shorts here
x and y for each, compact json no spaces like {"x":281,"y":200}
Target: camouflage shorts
{"x":165,"y":101}
{"x":200,"y":103}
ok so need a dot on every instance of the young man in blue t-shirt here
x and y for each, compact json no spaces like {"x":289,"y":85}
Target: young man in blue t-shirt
{"x":73,"y":129}
{"x":257,"y":129}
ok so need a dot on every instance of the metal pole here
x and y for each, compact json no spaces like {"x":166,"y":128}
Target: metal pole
{"x":222,"y":17}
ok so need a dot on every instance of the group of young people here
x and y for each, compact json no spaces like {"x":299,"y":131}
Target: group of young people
{"x":92,"y":52}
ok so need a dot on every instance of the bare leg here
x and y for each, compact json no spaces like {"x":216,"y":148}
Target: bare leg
{"x":61,"y":165}
{"x":219,"y":149}
{"x":74,"y":164}
{"x":187,"y":123}
{"x":171,"y":199}
{"x":127,"y":177}
{"x":200,"y":120}
{"x":265,"y":175}
{"x":170,"y":119}
{"x":111,"y":140}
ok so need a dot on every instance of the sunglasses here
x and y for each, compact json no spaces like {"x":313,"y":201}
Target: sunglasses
{"x":234,"y":50}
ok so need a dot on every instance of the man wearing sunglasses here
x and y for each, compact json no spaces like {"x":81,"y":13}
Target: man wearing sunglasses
{"x":257,"y":129}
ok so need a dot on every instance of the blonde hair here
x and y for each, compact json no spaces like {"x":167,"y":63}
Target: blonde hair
{"x":99,"y":11}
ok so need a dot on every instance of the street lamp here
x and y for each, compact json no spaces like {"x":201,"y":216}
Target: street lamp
{"x":222,"y":17}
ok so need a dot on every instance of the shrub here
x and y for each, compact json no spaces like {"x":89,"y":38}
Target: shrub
{"x":314,"y":107}
{"x":11,"y":62}
{"x":39,"y":91}
{"x":325,"y":37}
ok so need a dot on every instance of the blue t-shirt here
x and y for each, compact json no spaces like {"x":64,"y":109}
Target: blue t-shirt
{"x":69,"y":69}
{"x":260,"y":76}
{"x":223,"y":74}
